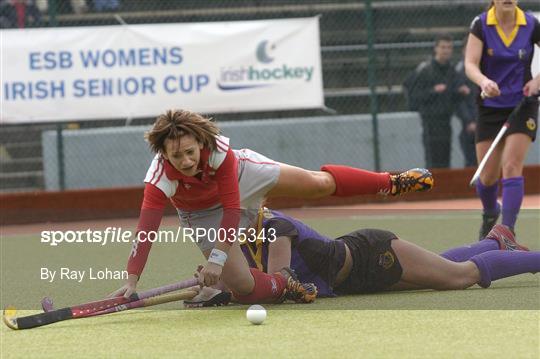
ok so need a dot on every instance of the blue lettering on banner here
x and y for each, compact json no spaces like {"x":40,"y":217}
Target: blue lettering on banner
{"x":129,"y":86}
{"x":50,"y":60}
{"x":109,"y":58}
{"x":103,"y":87}
{"x":250,"y":77}
{"x":38,"y":90}
{"x":185,"y":83}
{"x":144,"y":57}
{"x":126,"y":58}
{"x":175,"y":55}
{"x":131,"y":57}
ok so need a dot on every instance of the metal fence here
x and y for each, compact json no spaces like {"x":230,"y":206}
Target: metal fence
{"x":368,"y":49}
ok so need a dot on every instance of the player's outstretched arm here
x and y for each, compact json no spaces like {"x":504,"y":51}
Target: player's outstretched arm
{"x":127,"y":289}
{"x":149,"y":221}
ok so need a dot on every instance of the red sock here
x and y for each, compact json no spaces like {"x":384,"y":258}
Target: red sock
{"x":268,"y":288}
{"x":352,"y":181}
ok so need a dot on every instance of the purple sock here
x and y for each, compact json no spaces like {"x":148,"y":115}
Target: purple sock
{"x":488,"y":196}
{"x":463,"y":254}
{"x":512,"y":196}
{"x":495,"y":265}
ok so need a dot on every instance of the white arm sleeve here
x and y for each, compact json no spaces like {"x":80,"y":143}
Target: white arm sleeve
{"x":218,"y":155}
{"x":156,"y":175}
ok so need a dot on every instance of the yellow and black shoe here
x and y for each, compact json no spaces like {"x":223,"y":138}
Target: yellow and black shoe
{"x":297,"y":291}
{"x":414,"y":180}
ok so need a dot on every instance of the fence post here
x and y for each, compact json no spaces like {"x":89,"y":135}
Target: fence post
{"x":372,"y":81}
{"x":60,"y":157}
{"x":52,"y":13}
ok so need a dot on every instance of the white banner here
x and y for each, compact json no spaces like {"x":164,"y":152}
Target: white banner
{"x":130,"y":71}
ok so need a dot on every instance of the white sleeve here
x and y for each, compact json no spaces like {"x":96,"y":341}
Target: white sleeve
{"x":218,"y":155}
{"x":156,"y":175}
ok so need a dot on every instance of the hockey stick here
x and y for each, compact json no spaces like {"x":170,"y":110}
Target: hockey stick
{"x":502,"y":131}
{"x":32,"y":321}
{"x":87,"y":309}
{"x":217,"y":299}
{"x":48,"y":306}
{"x":148,"y":302}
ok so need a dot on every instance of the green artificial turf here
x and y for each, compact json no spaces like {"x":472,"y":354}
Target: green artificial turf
{"x":499,"y":322}
{"x":300,"y":333}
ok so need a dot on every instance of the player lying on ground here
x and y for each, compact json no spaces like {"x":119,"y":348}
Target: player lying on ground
{"x":209,"y":183}
{"x":372,"y":260}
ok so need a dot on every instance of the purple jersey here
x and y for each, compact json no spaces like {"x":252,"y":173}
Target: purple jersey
{"x":507,"y":59}
{"x":314,"y":257}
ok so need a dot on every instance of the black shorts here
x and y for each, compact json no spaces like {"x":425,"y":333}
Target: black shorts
{"x":375,"y":265}
{"x":490,"y":121}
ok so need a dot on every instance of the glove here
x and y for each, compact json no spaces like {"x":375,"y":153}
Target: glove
{"x":208,"y":297}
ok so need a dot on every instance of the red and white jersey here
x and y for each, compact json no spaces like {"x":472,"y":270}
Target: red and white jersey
{"x":217,"y":184}
{"x":192,"y":193}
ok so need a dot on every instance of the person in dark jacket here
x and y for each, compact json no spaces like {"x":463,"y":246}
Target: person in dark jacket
{"x":437,"y":89}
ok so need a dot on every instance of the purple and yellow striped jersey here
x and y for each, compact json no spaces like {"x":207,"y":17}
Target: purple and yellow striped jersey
{"x":507,"y":59}
{"x":314,"y":257}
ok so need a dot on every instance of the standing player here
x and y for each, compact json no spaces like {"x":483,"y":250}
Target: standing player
{"x":371,"y":260}
{"x":498,"y":59}
{"x":209,"y":184}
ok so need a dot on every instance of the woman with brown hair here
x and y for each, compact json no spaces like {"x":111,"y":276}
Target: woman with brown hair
{"x":215,"y":187}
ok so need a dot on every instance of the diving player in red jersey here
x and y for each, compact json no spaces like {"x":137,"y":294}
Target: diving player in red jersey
{"x":214,"y":187}
{"x":498,"y":59}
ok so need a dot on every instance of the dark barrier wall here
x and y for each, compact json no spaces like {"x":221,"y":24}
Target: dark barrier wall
{"x":38,"y":207}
